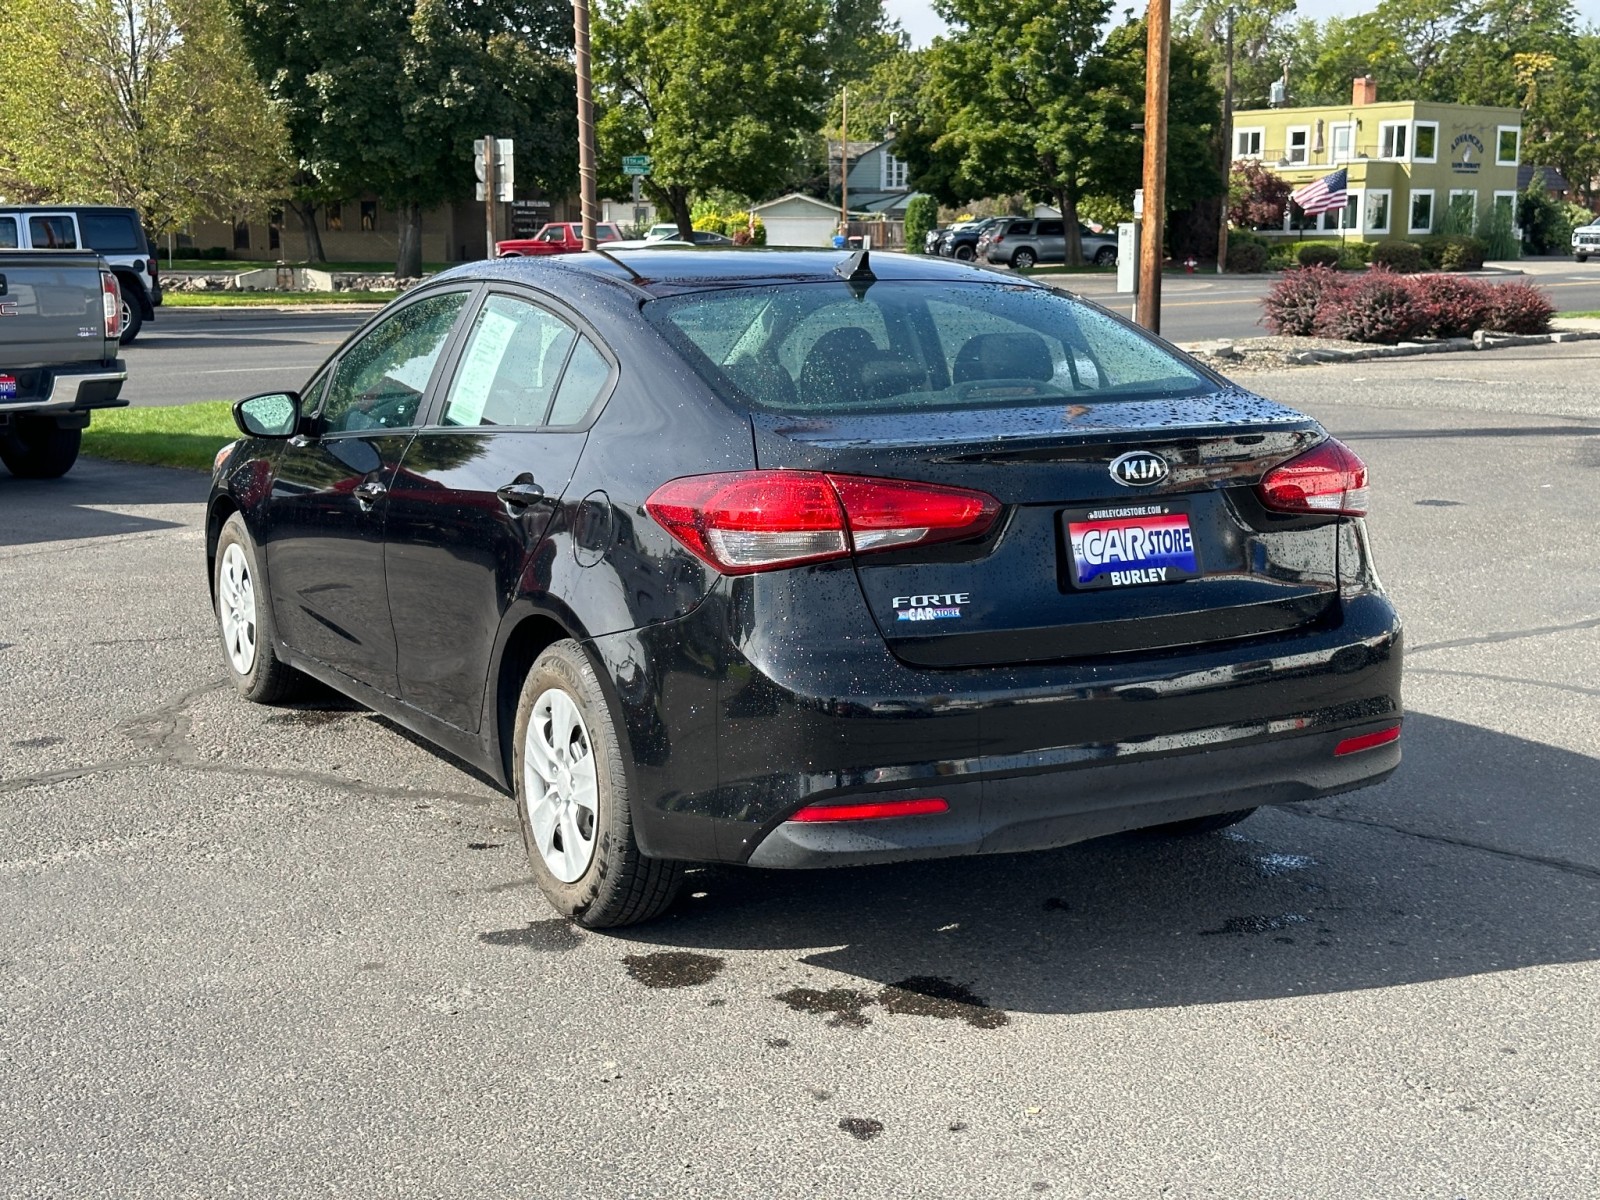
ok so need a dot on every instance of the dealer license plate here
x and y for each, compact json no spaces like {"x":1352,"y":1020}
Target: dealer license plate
{"x":1130,"y":546}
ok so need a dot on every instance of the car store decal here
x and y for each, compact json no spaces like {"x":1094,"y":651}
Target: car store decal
{"x":936,"y":607}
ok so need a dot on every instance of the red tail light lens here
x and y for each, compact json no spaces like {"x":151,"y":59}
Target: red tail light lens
{"x":111,"y":303}
{"x":922,"y":807}
{"x":1329,"y":479}
{"x":741,"y":522}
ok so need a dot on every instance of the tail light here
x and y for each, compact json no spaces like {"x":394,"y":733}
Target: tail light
{"x":111,"y":303}
{"x":1329,"y":479}
{"x":740,"y":522}
{"x":1367,"y":741}
{"x":998,"y":239}
{"x":870,"y":811}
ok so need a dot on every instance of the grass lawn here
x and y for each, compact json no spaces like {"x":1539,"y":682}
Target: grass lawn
{"x":184,"y":435}
{"x":1577,"y":314}
{"x":228,"y":266}
{"x":255,"y":299}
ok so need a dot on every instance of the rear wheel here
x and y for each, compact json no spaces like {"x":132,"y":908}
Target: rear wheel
{"x":1106,"y":256}
{"x":244,"y":620}
{"x":1198,"y":825}
{"x":132,"y":320}
{"x":38,"y":448}
{"x":1023,"y":259}
{"x":1581,"y":257}
{"x":573,"y":802}
{"x":964,"y":253}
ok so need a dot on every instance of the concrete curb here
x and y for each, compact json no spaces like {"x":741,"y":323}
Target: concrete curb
{"x":1482,"y":340}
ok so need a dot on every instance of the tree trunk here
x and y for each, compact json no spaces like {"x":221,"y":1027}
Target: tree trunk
{"x":1069,"y":219}
{"x":678,"y":199}
{"x":308,"y":225}
{"x":408,"y":262}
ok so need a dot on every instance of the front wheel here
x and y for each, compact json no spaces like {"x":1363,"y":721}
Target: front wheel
{"x":1581,"y":257}
{"x":38,"y":448}
{"x":1024,"y":259}
{"x":244,"y":620}
{"x":1105,"y":257}
{"x":1198,"y":825}
{"x":573,"y":803}
{"x":964,"y":253}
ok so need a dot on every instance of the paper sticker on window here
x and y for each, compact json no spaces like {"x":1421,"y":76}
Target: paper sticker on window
{"x":476,"y":376}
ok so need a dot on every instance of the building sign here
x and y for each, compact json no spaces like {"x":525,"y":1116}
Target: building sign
{"x":1466,"y":154}
{"x":528,"y":217}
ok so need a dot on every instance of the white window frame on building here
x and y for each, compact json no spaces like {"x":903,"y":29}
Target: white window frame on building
{"x":1411,"y":216}
{"x":1252,"y":136}
{"x":1348,"y":129}
{"x":1372,"y":207}
{"x":1510,"y":198}
{"x":1499,"y":138}
{"x":1416,"y":128}
{"x":1473,"y":192}
{"x":892,"y":173}
{"x":1303,"y":150}
{"x":1394,"y":141}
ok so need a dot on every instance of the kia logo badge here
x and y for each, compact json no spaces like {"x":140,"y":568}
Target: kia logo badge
{"x":1138,"y":468}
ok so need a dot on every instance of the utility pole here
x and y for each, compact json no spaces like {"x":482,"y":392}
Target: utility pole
{"x":488,"y":192}
{"x":586,"y":182}
{"x":1158,"y":50}
{"x":844,"y":164}
{"x":1227,"y":140}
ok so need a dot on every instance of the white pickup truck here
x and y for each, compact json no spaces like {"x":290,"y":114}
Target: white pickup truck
{"x":1586,"y":241}
{"x":60,"y":323}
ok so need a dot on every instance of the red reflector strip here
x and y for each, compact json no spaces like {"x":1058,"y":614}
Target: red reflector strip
{"x":872,"y":812}
{"x":1367,"y":741}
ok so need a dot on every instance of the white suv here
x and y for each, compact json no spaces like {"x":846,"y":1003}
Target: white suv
{"x":1586,"y":241}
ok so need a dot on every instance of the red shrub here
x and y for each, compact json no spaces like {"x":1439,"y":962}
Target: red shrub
{"x":1299,"y":295}
{"x":1517,"y":308}
{"x":1378,"y":307}
{"x":1455,"y":307}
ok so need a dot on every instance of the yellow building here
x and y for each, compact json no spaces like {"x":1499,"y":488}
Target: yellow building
{"x":1409,"y":162}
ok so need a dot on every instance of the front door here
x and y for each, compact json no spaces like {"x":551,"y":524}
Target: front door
{"x":325,"y":522}
{"x":477,"y":490}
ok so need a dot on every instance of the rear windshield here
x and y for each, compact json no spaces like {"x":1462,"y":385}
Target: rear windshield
{"x":911,"y":346}
{"x":111,"y":232}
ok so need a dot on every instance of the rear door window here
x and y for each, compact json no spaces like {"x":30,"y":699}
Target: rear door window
{"x":8,"y":233}
{"x":111,"y":232}
{"x":1052,"y":229}
{"x":53,"y":231}
{"x":510,"y":365}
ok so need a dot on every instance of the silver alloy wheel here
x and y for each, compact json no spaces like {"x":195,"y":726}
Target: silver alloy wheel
{"x":127,"y":316}
{"x":236,"y":608}
{"x":560,"y":785}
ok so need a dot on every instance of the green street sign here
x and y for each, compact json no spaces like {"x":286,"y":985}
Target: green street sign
{"x":636,"y":164}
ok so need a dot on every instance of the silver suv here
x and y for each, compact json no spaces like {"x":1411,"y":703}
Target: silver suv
{"x":113,"y":233}
{"x":1024,"y":241}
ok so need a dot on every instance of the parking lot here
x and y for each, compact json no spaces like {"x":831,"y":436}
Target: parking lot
{"x":295,"y":951}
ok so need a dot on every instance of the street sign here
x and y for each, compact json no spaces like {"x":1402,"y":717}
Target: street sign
{"x":504,"y":168}
{"x":636,"y":164}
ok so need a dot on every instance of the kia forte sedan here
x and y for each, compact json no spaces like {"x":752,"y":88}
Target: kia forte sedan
{"x":803,"y":559}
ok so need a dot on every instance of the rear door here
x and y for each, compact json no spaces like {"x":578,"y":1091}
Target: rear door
{"x":1052,"y":239}
{"x":478,"y":488}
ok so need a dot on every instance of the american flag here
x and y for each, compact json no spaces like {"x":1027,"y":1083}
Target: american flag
{"x":1323,"y":195}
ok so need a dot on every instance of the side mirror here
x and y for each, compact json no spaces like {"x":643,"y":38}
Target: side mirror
{"x":274,"y":415}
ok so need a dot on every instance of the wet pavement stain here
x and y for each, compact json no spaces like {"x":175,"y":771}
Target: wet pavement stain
{"x":1272,"y":865}
{"x":1440,"y":503}
{"x":38,"y":743}
{"x":777,"y":1043}
{"x":863,"y":1129}
{"x":844,"y":1003}
{"x":484,"y":845}
{"x":308,"y":718}
{"x":553,"y":934}
{"x":673,"y":968}
{"x":1255,"y":924}
{"x":935,"y":996}
{"x":957,"y":1127}
{"x":1057,"y":904}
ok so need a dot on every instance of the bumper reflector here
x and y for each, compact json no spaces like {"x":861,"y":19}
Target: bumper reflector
{"x":872,"y":811}
{"x":1367,"y":741}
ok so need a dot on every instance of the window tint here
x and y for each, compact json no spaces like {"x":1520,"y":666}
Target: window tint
{"x":52,"y":233}
{"x":587,"y":372}
{"x":914,"y":346}
{"x":8,"y":233}
{"x":111,"y":232}
{"x":1052,"y":229}
{"x":380,"y":381}
{"x":1019,"y":227}
{"x":510,"y":366}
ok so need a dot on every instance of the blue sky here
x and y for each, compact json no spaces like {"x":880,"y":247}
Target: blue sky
{"x":919,"y":20}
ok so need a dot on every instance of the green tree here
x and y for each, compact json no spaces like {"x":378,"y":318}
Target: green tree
{"x":139,"y":102}
{"x":1561,"y":119}
{"x":922,"y":214}
{"x":1263,"y":36}
{"x":388,"y":96}
{"x":718,"y":96}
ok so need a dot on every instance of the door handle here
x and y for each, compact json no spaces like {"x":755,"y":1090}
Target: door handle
{"x":520,"y":493}
{"x":371,"y":492}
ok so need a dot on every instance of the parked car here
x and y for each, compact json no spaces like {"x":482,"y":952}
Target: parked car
{"x":931,"y":239}
{"x":961,"y":241}
{"x":1586,"y":241}
{"x":111,"y":232}
{"x":60,"y":324}
{"x":1023,"y":242}
{"x":662,"y":231}
{"x":558,"y":237}
{"x":804,"y":559}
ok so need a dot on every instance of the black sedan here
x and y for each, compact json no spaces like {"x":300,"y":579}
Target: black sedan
{"x":799,"y":559}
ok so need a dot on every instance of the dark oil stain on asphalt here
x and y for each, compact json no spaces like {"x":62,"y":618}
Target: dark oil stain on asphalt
{"x":1057,"y":904}
{"x":553,"y":934}
{"x":1256,"y":924}
{"x":844,"y":1003}
{"x":863,"y":1129}
{"x":673,"y":968}
{"x":38,"y":743}
{"x":484,"y":845}
{"x":934,"y":996}
{"x":308,"y":718}
{"x":777,"y":1043}
{"x":1440,"y":503}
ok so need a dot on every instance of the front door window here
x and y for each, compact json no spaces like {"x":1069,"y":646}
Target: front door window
{"x":380,"y":380}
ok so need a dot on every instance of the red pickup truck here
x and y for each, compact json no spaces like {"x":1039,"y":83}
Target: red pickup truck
{"x":559,"y":237}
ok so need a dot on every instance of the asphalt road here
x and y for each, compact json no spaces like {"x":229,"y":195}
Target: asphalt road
{"x":293,"y":952}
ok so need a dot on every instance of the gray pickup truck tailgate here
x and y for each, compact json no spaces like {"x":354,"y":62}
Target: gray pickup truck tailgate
{"x":51,"y":311}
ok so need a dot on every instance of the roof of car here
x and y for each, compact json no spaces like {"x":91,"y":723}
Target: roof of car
{"x":661,"y":271}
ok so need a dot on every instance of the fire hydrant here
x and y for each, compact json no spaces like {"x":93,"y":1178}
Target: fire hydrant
{"x":1189,"y":264}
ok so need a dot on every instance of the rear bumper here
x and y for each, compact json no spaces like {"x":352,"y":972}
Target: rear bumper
{"x":76,"y":389}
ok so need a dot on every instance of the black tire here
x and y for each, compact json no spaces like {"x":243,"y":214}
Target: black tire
{"x":964,"y":253}
{"x":1581,"y":257}
{"x":1023,"y":259}
{"x":269,"y":679}
{"x":1106,"y":256}
{"x":132,"y":320}
{"x":1198,"y":825}
{"x":619,"y":886}
{"x":38,"y":448}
